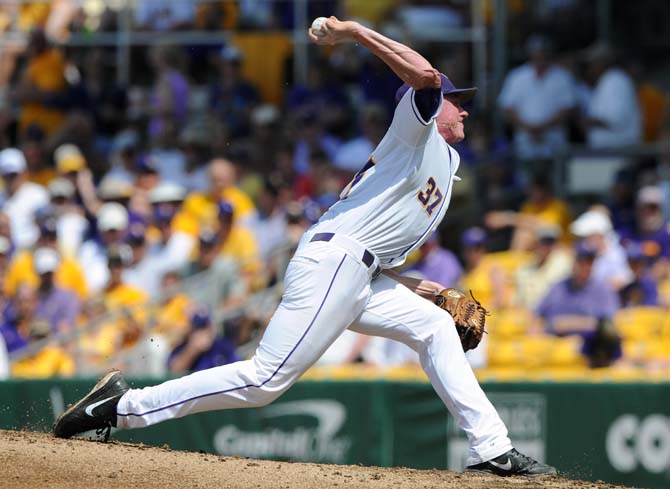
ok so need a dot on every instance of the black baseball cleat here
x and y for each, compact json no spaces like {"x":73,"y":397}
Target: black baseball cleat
{"x":96,"y":410}
{"x":513,"y":463}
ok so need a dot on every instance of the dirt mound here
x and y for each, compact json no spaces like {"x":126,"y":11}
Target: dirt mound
{"x":29,"y":460}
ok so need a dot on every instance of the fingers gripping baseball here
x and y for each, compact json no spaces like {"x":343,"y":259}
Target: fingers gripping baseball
{"x":329,"y":31}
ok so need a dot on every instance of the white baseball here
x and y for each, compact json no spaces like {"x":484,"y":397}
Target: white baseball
{"x":318,"y":26}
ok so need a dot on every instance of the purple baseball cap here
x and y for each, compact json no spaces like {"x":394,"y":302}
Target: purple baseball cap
{"x":462,"y":94}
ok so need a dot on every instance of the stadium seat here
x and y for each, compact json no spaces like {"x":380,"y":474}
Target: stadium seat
{"x":641,"y":323}
{"x":509,"y":323}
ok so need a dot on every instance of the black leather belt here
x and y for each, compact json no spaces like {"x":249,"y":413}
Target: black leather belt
{"x":368,"y":258}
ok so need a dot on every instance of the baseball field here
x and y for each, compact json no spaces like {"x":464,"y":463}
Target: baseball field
{"x":32,"y":460}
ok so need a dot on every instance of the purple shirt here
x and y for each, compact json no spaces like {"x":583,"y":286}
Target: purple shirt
{"x":656,"y":243}
{"x":221,"y":352}
{"x":440,"y":266}
{"x":594,"y":299}
{"x":58,"y":306}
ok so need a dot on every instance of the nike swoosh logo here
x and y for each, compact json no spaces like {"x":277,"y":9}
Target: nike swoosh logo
{"x":89,"y":409}
{"x":507,"y":466}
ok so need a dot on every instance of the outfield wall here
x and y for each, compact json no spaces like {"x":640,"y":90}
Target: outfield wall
{"x":618,"y":432}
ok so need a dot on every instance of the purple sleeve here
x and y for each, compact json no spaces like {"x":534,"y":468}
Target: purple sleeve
{"x":427,"y":101}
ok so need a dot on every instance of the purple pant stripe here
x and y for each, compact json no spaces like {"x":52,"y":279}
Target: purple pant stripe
{"x":251,"y":385}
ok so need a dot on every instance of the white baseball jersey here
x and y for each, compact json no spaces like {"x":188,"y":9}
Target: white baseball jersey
{"x":391,"y":206}
{"x":395,"y":202}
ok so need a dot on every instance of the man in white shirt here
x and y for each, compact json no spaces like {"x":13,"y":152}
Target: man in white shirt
{"x":112,"y":222}
{"x":613,"y":115}
{"x":537,"y":98}
{"x":21,"y":198}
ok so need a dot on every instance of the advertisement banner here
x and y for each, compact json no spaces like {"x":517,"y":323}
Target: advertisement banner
{"x":619,"y":433}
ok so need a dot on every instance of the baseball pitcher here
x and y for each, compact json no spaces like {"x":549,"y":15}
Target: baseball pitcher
{"x":341,"y":277}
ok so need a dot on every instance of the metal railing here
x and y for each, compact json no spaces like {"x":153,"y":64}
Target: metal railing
{"x":126,"y":36}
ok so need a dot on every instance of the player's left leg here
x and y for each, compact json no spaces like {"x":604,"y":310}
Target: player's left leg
{"x":326,"y":288}
{"x":395,"y":312}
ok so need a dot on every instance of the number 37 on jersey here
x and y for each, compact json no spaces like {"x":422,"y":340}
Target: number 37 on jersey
{"x":430,"y":196}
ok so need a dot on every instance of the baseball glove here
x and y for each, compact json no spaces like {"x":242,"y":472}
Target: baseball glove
{"x":469,"y":315}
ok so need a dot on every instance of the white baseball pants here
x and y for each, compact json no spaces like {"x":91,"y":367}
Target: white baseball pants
{"x":327,"y":290}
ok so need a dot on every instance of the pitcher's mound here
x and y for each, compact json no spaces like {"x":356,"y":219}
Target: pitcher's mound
{"x":29,"y":460}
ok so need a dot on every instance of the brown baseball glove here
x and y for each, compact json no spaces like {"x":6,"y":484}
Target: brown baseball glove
{"x":469,"y":315}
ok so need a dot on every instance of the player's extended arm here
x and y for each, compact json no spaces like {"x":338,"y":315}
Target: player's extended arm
{"x":425,"y":288}
{"x":410,"y":66}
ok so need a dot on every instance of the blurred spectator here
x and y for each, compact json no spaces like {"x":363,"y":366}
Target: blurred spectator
{"x":642,"y":291}
{"x":108,"y":101}
{"x":541,"y":208}
{"x":23,"y":268}
{"x":551,"y":263}
{"x":321,"y":97}
{"x":238,"y":243}
{"x":17,"y":318}
{"x":172,"y":310}
{"x":353,"y":154}
{"x":125,"y":303}
{"x":196,"y":141}
{"x":620,"y":200}
{"x":223,"y":286}
{"x":22,"y":327}
{"x":164,"y":15}
{"x":583,"y":305}
{"x":231,"y":97}
{"x":124,"y":155}
{"x":60,"y":307}
{"x":172,"y":248}
{"x":270,"y":224}
{"x":610,"y":267}
{"x":613,"y":116}
{"x":203,"y":348}
{"x":21,"y":198}
{"x":71,"y":223}
{"x":653,"y":102}
{"x":481,"y":275}
{"x":71,"y":165}
{"x":650,"y":228}
{"x":312,"y":140}
{"x":34,"y":150}
{"x":537,"y":99}
{"x":42,"y":80}
{"x":169,"y":102}
{"x":203,"y":207}
{"x":437,"y":264}
{"x":112,"y":221}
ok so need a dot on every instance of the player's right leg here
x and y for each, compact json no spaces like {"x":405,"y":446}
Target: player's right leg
{"x":326,"y":289}
{"x":395,"y":312}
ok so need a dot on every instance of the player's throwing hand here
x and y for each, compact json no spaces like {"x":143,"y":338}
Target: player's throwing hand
{"x":333,"y":31}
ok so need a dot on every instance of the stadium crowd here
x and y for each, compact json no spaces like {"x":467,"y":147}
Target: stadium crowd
{"x":148,"y":226}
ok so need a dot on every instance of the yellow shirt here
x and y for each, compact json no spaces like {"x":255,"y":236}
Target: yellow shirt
{"x":241,"y":246}
{"x":491,"y":282}
{"x":21,"y":270}
{"x":172,"y":319}
{"x":42,"y":177}
{"x":553,"y":212}
{"x":203,"y":209}
{"x":116,"y":332}
{"x":45,"y":72}
{"x":49,"y":362}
